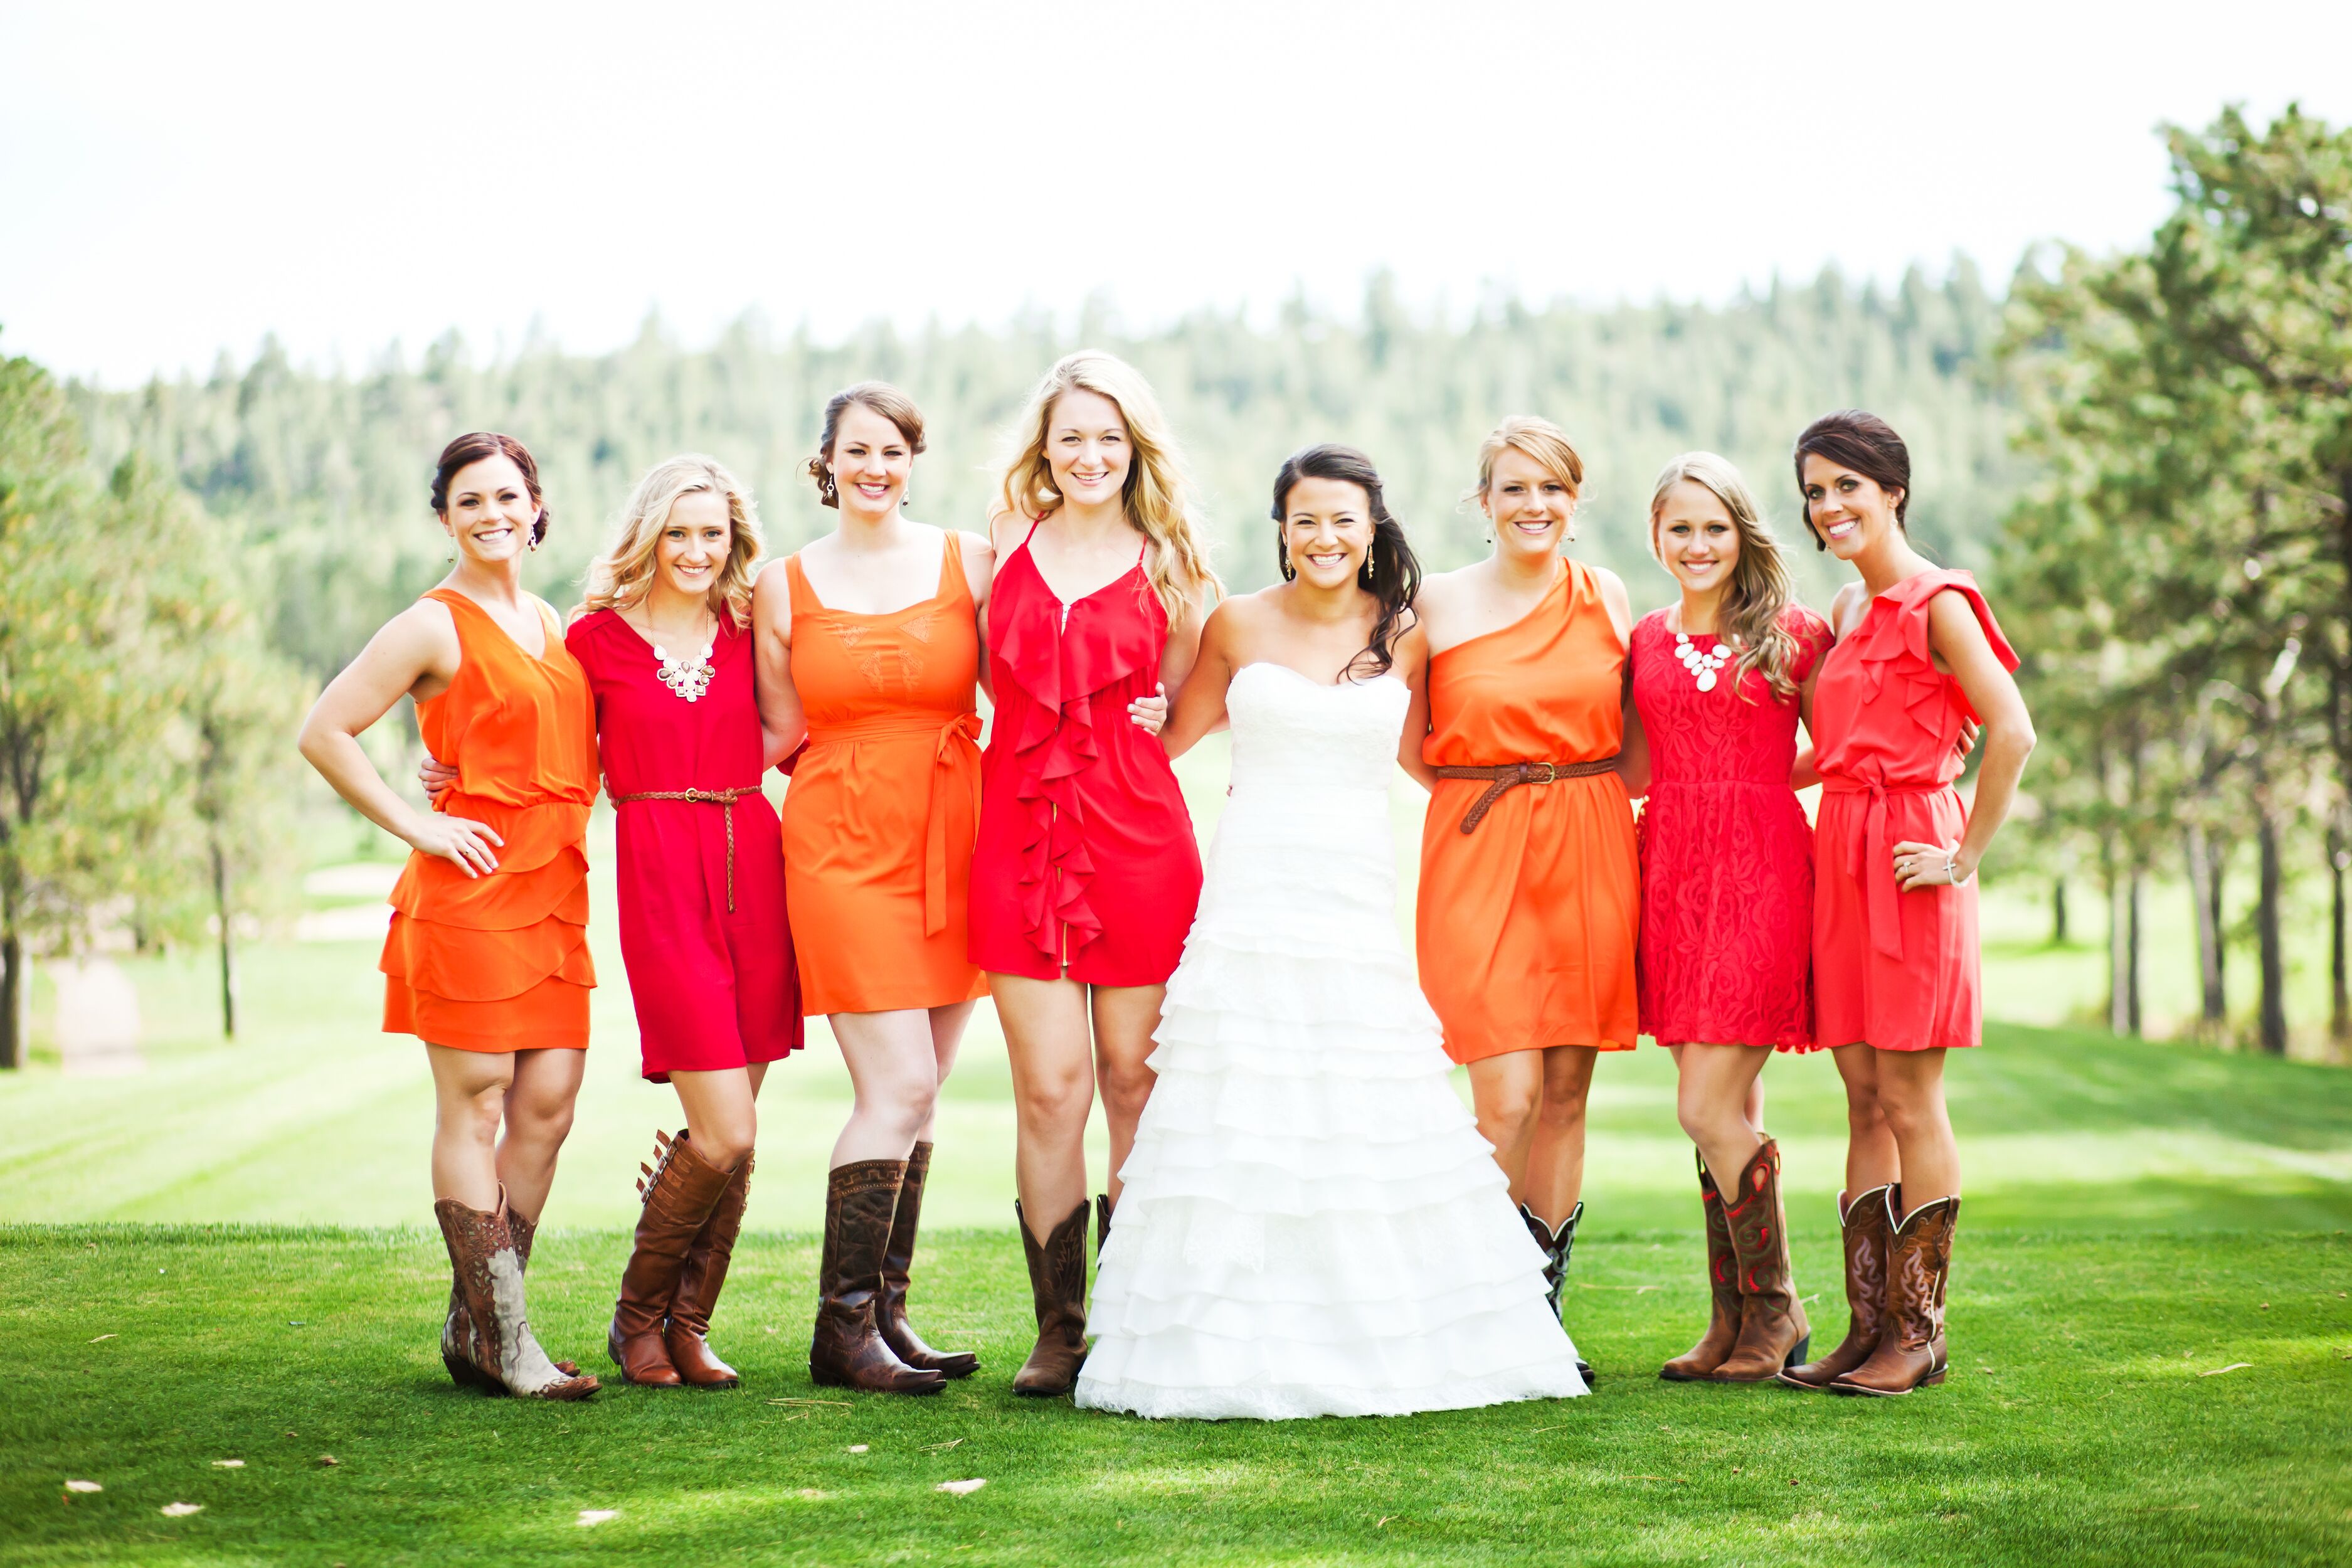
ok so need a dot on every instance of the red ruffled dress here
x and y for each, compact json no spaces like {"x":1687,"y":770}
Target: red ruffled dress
{"x":1726,"y":945}
{"x":701,"y":884}
{"x":1085,"y":864}
{"x":1895,"y":969}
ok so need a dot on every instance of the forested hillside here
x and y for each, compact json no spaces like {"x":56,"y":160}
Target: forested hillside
{"x":324,"y":471}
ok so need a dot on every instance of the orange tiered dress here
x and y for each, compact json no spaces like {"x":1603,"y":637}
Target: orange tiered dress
{"x":500,"y":963}
{"x":1525,"y":925}
{"x":884,"y":800}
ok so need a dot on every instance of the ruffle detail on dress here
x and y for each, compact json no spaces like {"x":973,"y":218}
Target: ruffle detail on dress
{"x":1894,"y":630}
{"x":462,"y":964}
{"x":541,"y":870}
{"x":1100,"y":1387}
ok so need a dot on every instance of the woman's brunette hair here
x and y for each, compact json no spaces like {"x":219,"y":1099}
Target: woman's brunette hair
{"x":472,"y":447}
{"x":621,"y":577}
{"x":1759,"y":592}
{"x":1865,"y":443}
{"x":1390,"y":572}
{"x":1158,"y":494}
{"x":883,"y":399}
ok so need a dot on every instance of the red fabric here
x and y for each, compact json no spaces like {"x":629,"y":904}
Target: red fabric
{"x":1086,"y":854}
{"x":712,"y":990}
{"x":1895,"y":969}
{"x":1726,"y":945}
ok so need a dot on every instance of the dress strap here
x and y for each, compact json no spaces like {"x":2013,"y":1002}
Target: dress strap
{"x":805,"y":599}
{"x":950,"y":563}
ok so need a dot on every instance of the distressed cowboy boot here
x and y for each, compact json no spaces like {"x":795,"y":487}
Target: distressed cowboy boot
{"x":1773,"y":1332}
{"x":490,"y":1346}
{"x":687,"y":1337}
{"x":848,"y":1351}
{"x":1910,"y":1352}
{"x":1057,"y":1289}
{"x":1698,"y":1363}
{"x":678,"y":1194}
{"x":898,"y":1262}
{"x":1864,"y":1221}
{"x":1556,"y":1246}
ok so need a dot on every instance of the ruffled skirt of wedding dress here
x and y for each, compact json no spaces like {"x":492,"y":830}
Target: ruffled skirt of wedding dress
{"x":1311,"y":1224}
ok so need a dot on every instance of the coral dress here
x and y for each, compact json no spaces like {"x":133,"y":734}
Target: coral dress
{"x":878,"y":821}
{"x":1085,"y":856}
{"x":701,"y":882}
{"x":1726,"y":948}
{"x":1526,"y":924}
{"x":500,"y":963}
{"x":1891,"y":969}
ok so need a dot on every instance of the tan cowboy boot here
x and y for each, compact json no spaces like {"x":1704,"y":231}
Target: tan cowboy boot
{"x":1698,"y":1363}
{"x":1863,"y":1220}
{"x":847,"y":1350}
{"x":1057,"y":1289}
{"x":686,"y":1338}
{"x":1773,"y":1332}
{"x":897,"y":1260}
{"x":494,"y":1344}
{"x":678,"y":1195}
{"x":1910,"y":1352}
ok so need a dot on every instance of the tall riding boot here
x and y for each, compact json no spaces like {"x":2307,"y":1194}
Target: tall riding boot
{"x":678,"y":1192}
{"x":1773,"y":1332}
{"x":493,"y":1348}
{"x":847,"y":1350}
{"x":1057,"y":1288}
{"x":1910,"y":1352}
{"x":1556,"y":1246}
{"x":688,"y":1336}
{"x":1863,"y":1220}
{"x":1698,"y":1363}
{"x":891,"y":1312}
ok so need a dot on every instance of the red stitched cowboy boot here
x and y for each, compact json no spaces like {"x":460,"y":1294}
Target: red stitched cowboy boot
{"x":1864,"y":1221}
{"x":1910,"y":1352}
{"x":1773,"y":1332}
{"x":1698,"y":1363}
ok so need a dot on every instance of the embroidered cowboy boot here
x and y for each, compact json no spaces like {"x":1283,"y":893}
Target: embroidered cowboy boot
{"x":848,"y":1351}
{"x":1864,"y":1221}
{"x":1910,"y":1352}
{"x":1698,"y":1363}
{"x":898,"y":1262}
{"x":1057,"y":1289}
{"x":1773,"y":1332}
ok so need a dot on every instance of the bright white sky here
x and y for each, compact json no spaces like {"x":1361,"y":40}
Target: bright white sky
{"x":178,"y":179}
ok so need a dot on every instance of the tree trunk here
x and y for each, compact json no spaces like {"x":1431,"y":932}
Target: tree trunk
{"x":2131,"y":957}
{"x":12,"y":1001}
{"x":2118,"y":936}
{"x":228,"y":943}
{"x":2266,"y":928}
{"x":2057,"y":912}
{"x":2204,"y":879}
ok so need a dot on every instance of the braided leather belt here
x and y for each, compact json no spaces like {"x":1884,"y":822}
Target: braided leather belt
{"x":726,"y":797}
{"x":1511,"y":776}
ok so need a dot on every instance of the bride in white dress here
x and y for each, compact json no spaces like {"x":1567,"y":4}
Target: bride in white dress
{"x":1311,"y":1224}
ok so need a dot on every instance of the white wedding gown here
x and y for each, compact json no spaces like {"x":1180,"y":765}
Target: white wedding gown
{"x":1311,"y":1224}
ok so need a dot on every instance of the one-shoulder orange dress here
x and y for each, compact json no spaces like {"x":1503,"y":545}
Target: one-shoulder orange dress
{"x":500,"y":963}
{"x":884,"y":801}
{"x":1526,"y":924}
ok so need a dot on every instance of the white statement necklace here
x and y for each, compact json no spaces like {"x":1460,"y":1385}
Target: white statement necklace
{"x":689,"y":678}
{"x":1701,"y":665}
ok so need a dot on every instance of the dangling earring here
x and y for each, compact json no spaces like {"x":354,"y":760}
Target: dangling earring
{"x":538,"y":526}
{"x":1282,"y":552}
{"x":1368,"y":568}
{"x":906,"y":498}
{"x":1571,"y":530}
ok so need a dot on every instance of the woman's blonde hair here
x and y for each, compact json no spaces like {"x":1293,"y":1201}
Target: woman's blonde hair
{"x":1757,"y":596}
{"x":1158,"y":492}
{"x":621,"y":577}
{"x":1541,"y":439}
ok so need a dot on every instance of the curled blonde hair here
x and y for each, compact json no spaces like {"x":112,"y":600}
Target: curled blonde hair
{"x":1757,"y":596}
{"x":1541,"y":439}
{"x":1158,"y":492}
{"x":622,"y":576}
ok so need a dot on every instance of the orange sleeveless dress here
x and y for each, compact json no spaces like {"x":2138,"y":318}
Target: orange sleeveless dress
{"x":500,"y":963}
{"x":884,"y":801}
{"x":1525,"y":925}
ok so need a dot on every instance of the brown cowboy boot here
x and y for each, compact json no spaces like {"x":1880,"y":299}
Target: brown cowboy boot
{"x":688,"y":1336}
{"x":847,"y":1350}
{"x":492,"y":1348}
{"x":678,"y":1195}
{"x":1057,"y":1288}
{"x":1102,"y":1222}
{"x":1910,"y":1352}
{"x":891,"y":1312}
{"x":1556,"y":1246}
{"x":1698,"y":1363}
{"x":1864,"y":1221}
{"x":1773,"y":1332}
{"x":526,"y":1231}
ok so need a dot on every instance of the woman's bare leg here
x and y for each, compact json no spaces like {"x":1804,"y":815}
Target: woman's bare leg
{"x":894,"y":1068}
{"x":469,"y":1097}
{"x":1712,"y":1092}
{"x":540,"y":1100}
{"x":1871,"y":1157}
{"x":1506,"y":1092}
{"x":1911,"y":1094}
{"x":1554,"y":1178}
{"x":1048,"y":1043}
{"x":1124,"y":1017}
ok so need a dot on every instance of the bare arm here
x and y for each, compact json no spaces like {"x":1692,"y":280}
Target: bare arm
{"x":1956,"y":638}
{"x":415,"y":654}
{"x":1412,"y":659}
{"x":1200,"y":706}
{"x":1634,"y":751}
{"x":783,"y":725}
{"x":980,"y":576}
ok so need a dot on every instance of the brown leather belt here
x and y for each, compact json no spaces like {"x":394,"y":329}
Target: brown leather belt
{"x":1510,"y":775}
{"x":726,"y":797}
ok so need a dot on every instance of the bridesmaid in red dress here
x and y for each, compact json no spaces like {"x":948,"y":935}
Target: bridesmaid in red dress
{"x":1085,"y":872}
{"x":1725,"y":961}
{"x":1895,"y":978}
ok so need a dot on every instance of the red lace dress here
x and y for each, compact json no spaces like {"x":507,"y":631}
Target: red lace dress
{"x":1726,"y":953}
{"x":1085,"y":856}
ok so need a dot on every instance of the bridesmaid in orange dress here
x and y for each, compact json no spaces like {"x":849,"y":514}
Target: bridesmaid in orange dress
{"x":868,"y":645}
{"x":487,"y":960}
{"x":1896,"y":981}
{"x":1530,"y":891}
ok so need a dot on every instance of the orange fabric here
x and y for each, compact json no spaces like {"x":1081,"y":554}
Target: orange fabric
{"x":1526,"y":927}
{"x":500,"y":963}
{"x":884,"y":801}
